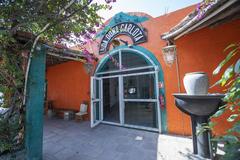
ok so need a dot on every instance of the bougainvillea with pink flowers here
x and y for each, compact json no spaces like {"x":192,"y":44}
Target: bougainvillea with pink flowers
{"x":203,"y":6}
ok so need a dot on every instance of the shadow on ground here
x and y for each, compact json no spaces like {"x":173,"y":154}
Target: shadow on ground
{"x":69,"y":140}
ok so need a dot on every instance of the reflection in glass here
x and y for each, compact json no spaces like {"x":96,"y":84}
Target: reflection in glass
{"x":111,"y":64}
{"x":141,"y":114}
{"x":132,"y":60}
{"x":132,"y":90}
{"x":111,"y":100}
{"x":96,"y":91}
{"x":139,"y":87}
{"x":96,"y":111}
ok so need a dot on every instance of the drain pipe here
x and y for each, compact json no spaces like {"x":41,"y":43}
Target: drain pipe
{"x":179,"y":90}
{"x":179,"y":83}
{"x":170,"y":55}
{"x":178,"y":75}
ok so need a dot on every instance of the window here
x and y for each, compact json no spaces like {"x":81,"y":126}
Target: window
{"x":132,"y":60}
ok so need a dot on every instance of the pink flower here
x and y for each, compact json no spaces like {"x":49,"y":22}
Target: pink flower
{"x":108,"y":1}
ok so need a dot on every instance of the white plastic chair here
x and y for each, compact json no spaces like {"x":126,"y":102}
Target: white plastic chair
{"x":82,"y":111}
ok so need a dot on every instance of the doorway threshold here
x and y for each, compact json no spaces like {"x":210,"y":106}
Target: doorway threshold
{"x":132,"y":126}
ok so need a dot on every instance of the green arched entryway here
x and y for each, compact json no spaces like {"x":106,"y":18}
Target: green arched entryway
{"x":148,"y":58}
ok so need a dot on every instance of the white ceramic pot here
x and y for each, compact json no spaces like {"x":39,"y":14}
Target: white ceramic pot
{"x":196,"y":83}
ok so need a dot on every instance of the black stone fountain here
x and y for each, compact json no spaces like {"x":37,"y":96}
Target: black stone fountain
{"x":200,"y":108}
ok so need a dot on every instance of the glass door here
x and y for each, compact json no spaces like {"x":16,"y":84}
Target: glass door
{"x":96,"y":101}
{"x":130,"y":91}
{"x":140,"y":100}
{"x":111,"y":100}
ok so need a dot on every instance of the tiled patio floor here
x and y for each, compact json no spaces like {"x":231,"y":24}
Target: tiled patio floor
{"x":69,"y":140}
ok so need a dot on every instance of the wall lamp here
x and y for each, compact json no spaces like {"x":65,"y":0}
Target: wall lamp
{"x":169,"y":54}
{"x":169,"y":57}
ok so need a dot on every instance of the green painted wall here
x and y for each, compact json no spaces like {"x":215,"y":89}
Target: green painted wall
{"x":35,"y":105}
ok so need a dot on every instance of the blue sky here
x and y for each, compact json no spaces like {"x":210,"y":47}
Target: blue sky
{"x":153,"y":7}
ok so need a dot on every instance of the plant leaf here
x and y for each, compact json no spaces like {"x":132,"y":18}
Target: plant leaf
{"x":219,"y":112}
{"x":231,"y":151}
{"x":237,"y":67}
{"x":216,"y":84}
{"x":229,"y":56}
{"x":232,"y":117}
{"x":235,"y":128}
{"x":230,"y":46}
{"x":230,"y":138}
{"x":229,"y":72}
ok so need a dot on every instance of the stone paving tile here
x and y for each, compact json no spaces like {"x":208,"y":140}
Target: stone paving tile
{"x":82,"y":157}
{"x":47,"y":156}
{"x":69,"y":140}
{"x":124,"y":148}
{"x":66,"y":154}
{"x":149,"y":146}
{"x":52,"y":148}
{"x":107,"y":155}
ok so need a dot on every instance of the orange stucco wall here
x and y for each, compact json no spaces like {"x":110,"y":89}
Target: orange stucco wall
{"x":177,"y":122}
{"x":203,"y":51}
{"x":68,"y":84}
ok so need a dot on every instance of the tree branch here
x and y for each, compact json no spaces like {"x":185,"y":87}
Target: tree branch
{"x":69,"y":16}
{"x":46,"y":27}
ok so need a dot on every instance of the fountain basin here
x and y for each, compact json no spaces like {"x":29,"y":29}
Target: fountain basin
{"x":200,"y":108}
{"x":198,"y":105}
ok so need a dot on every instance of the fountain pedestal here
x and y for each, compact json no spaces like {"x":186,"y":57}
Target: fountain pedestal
{"x":200,"y":108}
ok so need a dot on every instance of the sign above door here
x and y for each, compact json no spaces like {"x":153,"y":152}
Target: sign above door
{"x":134,"y":31}
{"x":122,"y":24}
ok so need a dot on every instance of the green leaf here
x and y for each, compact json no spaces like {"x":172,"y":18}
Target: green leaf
{"x":232,"y":107}
{"x":232,"y":117}
{"x":219,"y":112}
{"x":237,"y":67}
{"x":216,"y":84}
{"x":229,"y":56}
{"x":211,"y":124}
{"x":235,"y":128}
{"x":205,"y":127}
{"x":230,"y":46}
{"x":230,"y":138}
{"x":231,"y":151}
{"x":229,"y":72}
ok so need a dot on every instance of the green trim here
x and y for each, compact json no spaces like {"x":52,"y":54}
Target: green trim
{"x":160,"y":75}
{"x":35,"y":105}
